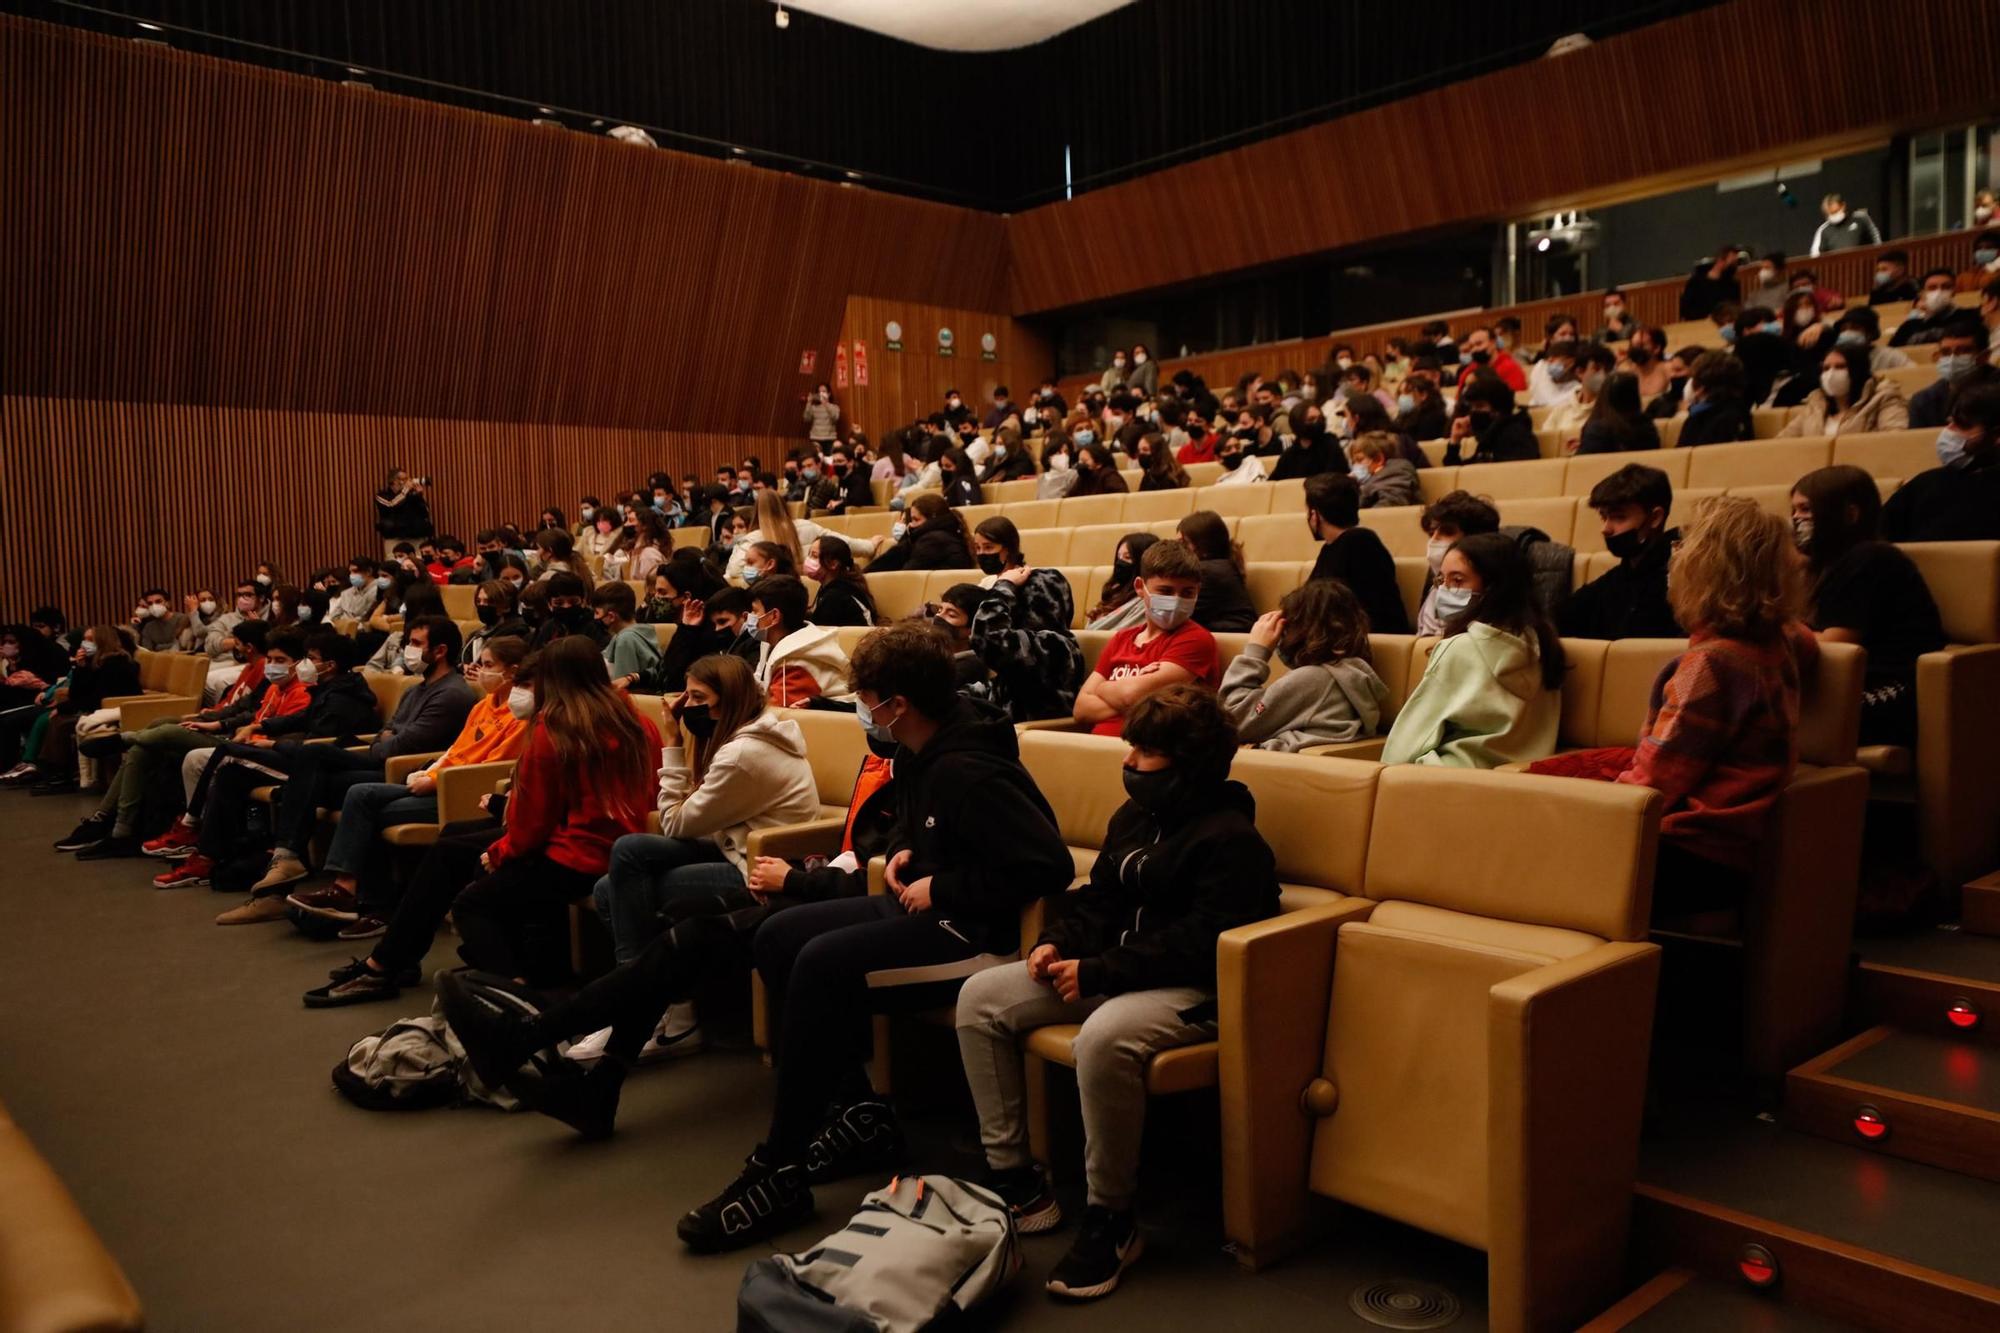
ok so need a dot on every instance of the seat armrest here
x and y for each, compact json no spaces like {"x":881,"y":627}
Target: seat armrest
{"x":1368,"y":749}
{"x":144,"y":711}
{"x":1958,"y":733}
{"x":402,"y":765}
{"x":818,"y":837}
{"x":1274,"y":979}
{"x":1567,"y":1047}
{"x":878,"y":875}
{"x":120,"y":700}
{"x":461,"y":786}
{"x":1053,"y":724}
{"x":55,"y":1272}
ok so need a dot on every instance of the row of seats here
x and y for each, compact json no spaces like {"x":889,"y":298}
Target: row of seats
{"x":55,"y":1272}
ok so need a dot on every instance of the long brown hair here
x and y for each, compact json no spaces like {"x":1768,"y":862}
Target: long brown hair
{"x":938,"y":514}
{"x":597,"y":737}
{"x":110,"y":643}
{"x":1207,"y":534}
{"x":737,"y":701}
{"x":774,"y":521}
{"x":1324,"y":622}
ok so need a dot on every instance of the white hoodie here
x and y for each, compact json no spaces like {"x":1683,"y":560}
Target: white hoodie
{"x":815,"y":649}
{"x":758,"y":778}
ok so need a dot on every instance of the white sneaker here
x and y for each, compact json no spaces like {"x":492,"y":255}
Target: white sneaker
{"x":589,"y":1050}
{"x":677,"y":1035}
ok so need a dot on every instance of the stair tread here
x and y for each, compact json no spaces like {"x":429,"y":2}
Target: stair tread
{"x":1941,"y":1068}
{"x":1952,"y":953}
{"x":1716,"y":1307}
{"x":1900,"y":1209}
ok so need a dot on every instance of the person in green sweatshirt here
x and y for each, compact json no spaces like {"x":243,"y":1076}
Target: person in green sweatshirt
{"x":632,"y":653}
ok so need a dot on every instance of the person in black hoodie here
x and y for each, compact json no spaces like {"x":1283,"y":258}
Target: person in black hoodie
{"x":1313,"y":450}
{"x":1224,"y":606}
{"x":1493,"y":429}
{"x":1130,"y":956}
{"x":1630,"y":600}
{"x":931,"y":536}
{"x":706,"y":944}
{"x":683,"y":593}
{"x":975,"y":844}
{"x":843,"y":597}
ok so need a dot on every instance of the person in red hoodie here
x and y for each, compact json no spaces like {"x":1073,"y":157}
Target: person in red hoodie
{"x":450,"y":559}
{"x":585,"y":779}
{"x":1480,"y":351}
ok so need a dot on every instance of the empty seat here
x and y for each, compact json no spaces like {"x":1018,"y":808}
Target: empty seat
{"x":1757,"y":462}
{"x":1509,"y":481}
{"x":1078,"y":512}
{"x":1584,"y":471}
{"x":1268,"y":537}
{"x":1888,"y":453}
{"x":1553,"y":514}
{"x":1401,"y":528}
{"x":1235,"y":501}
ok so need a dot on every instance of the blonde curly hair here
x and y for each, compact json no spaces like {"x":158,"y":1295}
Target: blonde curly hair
{"x":1737,"y":572}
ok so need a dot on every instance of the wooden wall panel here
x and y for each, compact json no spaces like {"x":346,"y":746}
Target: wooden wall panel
{"x":905,"y":385}
{"x":98,"y":499}
{"x":1570,"y":131}
{"x":175,"y":228}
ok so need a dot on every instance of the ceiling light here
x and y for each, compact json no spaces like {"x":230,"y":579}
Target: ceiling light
{"x":151,"y":27}
{"x":783,"y":19}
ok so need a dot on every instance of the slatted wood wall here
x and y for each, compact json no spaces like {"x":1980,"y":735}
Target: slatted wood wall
{"x":1744,"y":78}
{"x":911,"y":383}
{"x":182,"y":229}
{"x":101,"y":498}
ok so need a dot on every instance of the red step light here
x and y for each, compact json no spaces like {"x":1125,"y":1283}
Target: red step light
{"x":1869,"y":1124}
{"x":1962,"y":1013}
{"x":1758,"y":1266}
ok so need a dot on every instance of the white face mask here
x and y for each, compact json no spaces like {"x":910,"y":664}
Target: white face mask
{"x":1937,"y":300}
{"x":1956,"y":366}
{"x":1805,"y":316}
{"x":413,"y":659}
{"x":207,"y":608}
{"x":1168,"y":612}
{"x":1434,"y":551}
{"x":1834,"y":383}
{"x":308,"y":672}
{"x":1138,"y":358}
{"x":156,"y":610}
{"x":1451,"y":602}
{"x":521,"y":702}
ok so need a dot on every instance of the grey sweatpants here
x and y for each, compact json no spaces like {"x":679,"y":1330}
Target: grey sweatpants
{"x":1120,"y":1034}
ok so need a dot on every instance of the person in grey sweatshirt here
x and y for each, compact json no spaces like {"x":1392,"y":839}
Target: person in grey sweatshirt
{"x":822,"y":418}
{"x":1329,"y":694}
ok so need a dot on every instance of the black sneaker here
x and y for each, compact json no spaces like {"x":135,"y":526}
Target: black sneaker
{"x":761,"y":1202}
{"x":863,"y":1138}
{"x":362,"y":928}
{"x":111,"y":849}
{"x":1026,"y":1192}
{"x":366,"y":984}
{"x":354,"y":967}
{"x":1106,"y":1246}
{"x":91,"y":831}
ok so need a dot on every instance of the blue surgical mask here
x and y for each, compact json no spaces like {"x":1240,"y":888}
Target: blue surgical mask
{"x":1851,"y":338}
{"x":276,"y":673}
{"x":356,"y":580}
{"x":753,"y":625}
{"x":1084,"y":437}
{"x":1956,"y":366}
{"x":1727,"y":333}
{"x":1405,"y":403}
{"x":866,"y":717}
{"x":1769,"y":326}
{"x":751,"y":574}
{"x":1168,"y":612}
{"x":1360,"y":472}
{"x":1951,"y":447}
{"x":382,"y":582}
{"x":1985,"y":255}
{"x":1451,"y":601}
{"x":90,"y":648}
{"x":898,"y":531}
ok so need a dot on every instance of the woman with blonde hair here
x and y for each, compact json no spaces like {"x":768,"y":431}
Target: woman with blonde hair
{"x":1721,"y":735}
{"x":774,"y":523}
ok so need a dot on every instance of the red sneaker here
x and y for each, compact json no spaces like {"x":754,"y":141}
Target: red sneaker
{"x":191,"y":873}
{"x":179,"y":840}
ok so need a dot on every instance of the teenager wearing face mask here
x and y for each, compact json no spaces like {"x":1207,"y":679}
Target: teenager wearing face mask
{"x":845,"y":487}
{"x":1119,"y":605}
{"x":1168,"y":648}
{"x":1008,"y":459}
{"x":1237,"y":452}
{"x":1616,"y":424}
{"x":1553,"y":379}
{"x":356,"y":602}
{"x":930,"y":536}
{"x":1491,"y":428}
{"x":249,"y":602}
{"x":154,"y":621}
{"x":426,"y":719}
{"x":1385,"y":480}
{"x":1200,"y":446}
{"x":1850,"y":400}
{"x":1960,"y":367}
{"x":1492,"y":691}
{"x":1629,"y":601}
{"x":843,"y":598}
{"x":363,"y":894}
{"x":151,"y":761}
{"x":497,"y":606}
{"x":1959,"y":500}
{"x":957,"y":478}
{"x":1058,"y":477}
{"x":799,"y":661}
{"x":1933,"y":312}
{"x":1718,"y":403}
{"x":1445,"y":521}
{"x":419,"y":601}
{"x":1116,"y":373}
{"x":1329,"y":693}
{"x":640,"y":1010}
{"x":631,"y":650}
{"x":1420,"y":409}
{"x":1315,"y":445}
{"x":1646,"y":358}
{"x":568,"y":612}
{"x":1352,"y":554}
{"x":1618,"y":325}
{"x":103,"y":667}
{"x":584,"y":779}
{"x":1131,"y":957}
{"x":599,"y":535}
{"x":1020,"y":630}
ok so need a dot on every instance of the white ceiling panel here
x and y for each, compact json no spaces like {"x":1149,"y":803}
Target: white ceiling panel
{"x":962,"y":25}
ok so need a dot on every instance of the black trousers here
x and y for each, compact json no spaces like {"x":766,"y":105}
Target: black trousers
{"x":451,"y":863}
{"x":515,"y":920}
{"x":815,"y":962}
{"x":222,"y":796}
{"x":320,"y":777}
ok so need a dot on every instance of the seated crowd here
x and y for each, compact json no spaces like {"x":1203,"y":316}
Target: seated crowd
{"x":647,"y":749}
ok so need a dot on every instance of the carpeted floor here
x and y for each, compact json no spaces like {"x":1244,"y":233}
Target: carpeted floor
{"x":167,"y":1069}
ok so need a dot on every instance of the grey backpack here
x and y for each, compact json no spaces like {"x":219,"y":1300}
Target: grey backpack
{"x":917,"y":1255}
{"x":417,"y":1063}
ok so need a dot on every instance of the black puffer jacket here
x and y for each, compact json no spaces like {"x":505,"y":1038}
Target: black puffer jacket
{"x":1022,"y":636}
{"x":976,"y":823}
{"x":933,"y":546}
{"x":341,"y":708}
{"x":1510,"y":439}
{"x":1162,"y":889}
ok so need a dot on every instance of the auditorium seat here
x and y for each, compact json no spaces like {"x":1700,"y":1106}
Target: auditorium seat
{"x":1757,"y":462}
{"x":1236,"y":501}
{"x":1153,"y":506}
{"x":56,"y":1276}
{"x":1888,"y":453}
{"x":461,"y":599}
{"x":170,"y":684}
{"x":1475,"y":1063}
{"x":1584,"y":471}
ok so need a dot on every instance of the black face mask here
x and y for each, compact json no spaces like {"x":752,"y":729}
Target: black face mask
{"x":488,"y":615}
{"x":1481,"y":421}
{"x":1481,"y":358}
{"x":991,"y":564}
{"x":699,"y":721}
{"x":1230,"y":462}
{"x":1156,"y":792}
{"x":571,"y":617}
{"x":1626,"y":544}
{"x":1312,"y":431}
{"x":1641,"y":356}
